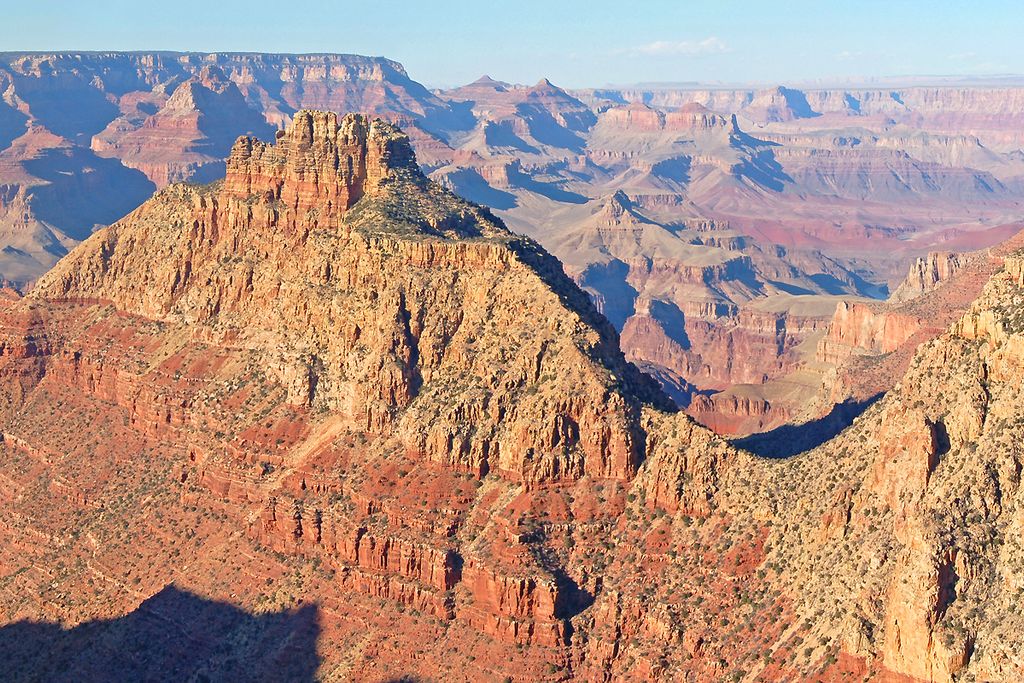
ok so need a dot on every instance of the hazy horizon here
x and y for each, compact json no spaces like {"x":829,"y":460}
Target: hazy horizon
{"x":575,"y":44}
{"x":853,"y":82}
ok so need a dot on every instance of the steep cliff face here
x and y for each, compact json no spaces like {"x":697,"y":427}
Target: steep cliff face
{"x":933,"y":508}
{"x":858,"y":328}
{"x":928,"y":273}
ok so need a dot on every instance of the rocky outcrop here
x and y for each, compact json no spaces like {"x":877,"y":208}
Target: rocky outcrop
{"x":319,"y":163}
{"x":914,"y":645}
{"x":927,"y":273}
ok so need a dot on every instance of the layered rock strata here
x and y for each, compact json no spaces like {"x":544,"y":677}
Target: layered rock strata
{"x":327,"y":381}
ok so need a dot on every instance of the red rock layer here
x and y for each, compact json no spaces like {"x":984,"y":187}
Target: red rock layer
{"x":729,"y":414}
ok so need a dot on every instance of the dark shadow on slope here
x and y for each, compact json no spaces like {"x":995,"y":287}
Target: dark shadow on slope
{"x":147,"y":108}
{"x":860,"y":285}
{"x":676,"y":169}
{"x":500,"y":134}
{"x":442,"y":122}
{"x":549,"y":190}
{"x":789,"y":440}
{"x":678,"y":389}
{"x":570,"y":601}
{"x":672,"y":322}
{"x":612,"y":294}
{"x":12,"y":125}
{"x":830,"y":284}
{"x":172,"y":636}
{"x":67,"y":105}
{"x":614,"y":96}
{"x":78,"y":195}
{"x":223,"y":117}
{"x":762,"y":168}
{"x":942,"y":443}
{"x":797,"y":102}
{"x":439,"y":117}
{"x":790,"y":288}
{"x":469,"y":184}
{"x":221,"y":110}
{"x":759,"y":163}
{"x":870,"y":289}
{"x":547,"y":131}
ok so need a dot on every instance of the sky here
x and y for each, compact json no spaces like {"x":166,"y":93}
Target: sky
{"x":575,"y":44}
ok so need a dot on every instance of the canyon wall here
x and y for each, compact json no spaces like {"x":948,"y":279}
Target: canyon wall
{"x":715,"y":215}
{"x":328,"y":382}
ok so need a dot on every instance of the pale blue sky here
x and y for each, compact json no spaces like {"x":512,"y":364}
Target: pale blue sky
{"x":573,"y":43}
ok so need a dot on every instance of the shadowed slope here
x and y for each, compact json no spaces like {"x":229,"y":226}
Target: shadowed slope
{"x":172,"y":636}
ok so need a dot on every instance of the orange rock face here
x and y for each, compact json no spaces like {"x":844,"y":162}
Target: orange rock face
{"x":928,"y":273}
{"x":328,"y":384}
{"x":321,"y":162}
{"x":351,"y":367}
{"x":737,"y":414}
{"x":219,"y":276}
{"x":857,"y":328}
